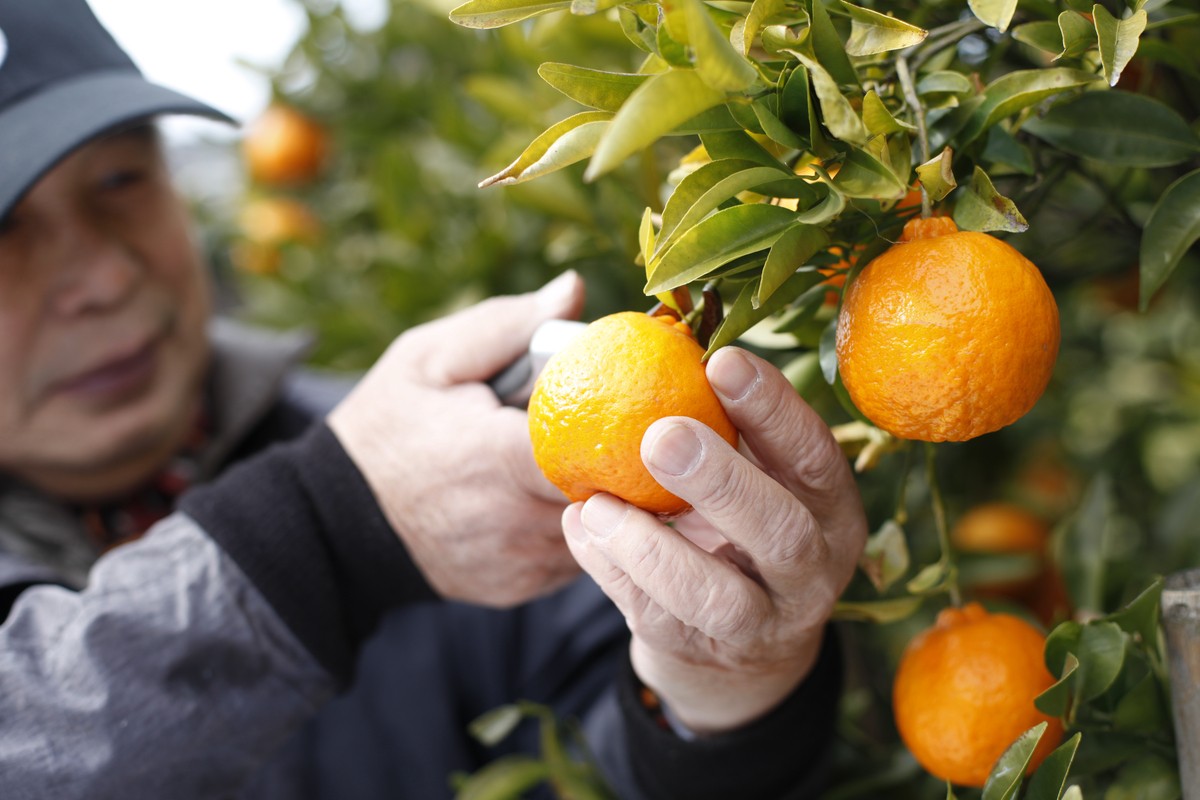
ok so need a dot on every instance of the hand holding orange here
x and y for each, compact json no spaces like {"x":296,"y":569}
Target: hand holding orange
{"x":595,"y":399}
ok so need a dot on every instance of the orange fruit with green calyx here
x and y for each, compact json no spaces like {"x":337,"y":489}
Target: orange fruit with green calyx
{"x":594,"y":400}
{"x":964,"y":692}
{"x":947,"y":335}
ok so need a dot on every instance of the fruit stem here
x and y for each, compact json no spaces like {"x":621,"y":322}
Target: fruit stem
{"x":914,"y":103}
{"x":939,"y":521}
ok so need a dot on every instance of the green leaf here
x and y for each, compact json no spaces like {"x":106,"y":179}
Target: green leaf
{"x":979,"y":207}
{"x":760,"y":12}
{"x":718,"y":63}
{"x":646,"y":235}
{"x":1018,"y":90}
{"x":1005,"y":778}
{"x":879,"y":611}
{"x":605,"y":91}
{"x":585,"y":8}
{"x":1118,"y":39}
{"x":637,"y":30}
{"x":1050,"y":779}
{"x":1078,"y":34}
{"x":743,"y":315}
{"x":872,"y":32}
{"x":863,"y":175}
{"x":1173,"y":227}
{"x":720,"y":238}
{"x":1101,"y":655}
{"x":827,"y":45}
{"x":937,"y":175}
{"x":737,"y":144}
{"x":563,"y":144}
{"x":1141,"y":709}
{"x":704,"y":190}
{"x":774,"y":128}
{"x":1118,"y":128}
{"x":994,"y":13}
{"x":1060,"y":643}
{"x":1043,"y":35}
{"x":885,"y":559}
{"x":836,"y":112}
{"x":944,"y":81}
{"x":494,"y":726}
{"x":879,"y":119}
{"x":1055,"y":700}
{"x":1003,"y":149}
{"x":1140,"y":616}
{"x":497,"y":13}
{"x":1088,"y":538}
{"x":794,"y":100}
{"x":791,"y":251}
{"x":503,"y":779}
{"x":656,"y":107}
{"x":1150,"y":777}
{"x":931,"y":579}
{"x":827,"y":209}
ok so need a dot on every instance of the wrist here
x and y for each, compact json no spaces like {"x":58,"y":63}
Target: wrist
{"x":708,"y":699}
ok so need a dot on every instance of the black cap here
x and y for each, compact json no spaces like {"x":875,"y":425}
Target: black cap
{"x":63,"y":82}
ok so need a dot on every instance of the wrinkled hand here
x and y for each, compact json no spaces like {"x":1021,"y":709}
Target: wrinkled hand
{"x":451,"y":467}
{"x":728,"y":608}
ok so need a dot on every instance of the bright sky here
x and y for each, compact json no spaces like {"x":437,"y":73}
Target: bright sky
{"x":193,"y":46}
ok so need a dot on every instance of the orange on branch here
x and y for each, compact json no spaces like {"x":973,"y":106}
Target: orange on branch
{"x":267,"y":225}
{"x":285,"y":147}
{"x":964,"y":692}
{"x":595,"y":399}
{"x":947,"y":335}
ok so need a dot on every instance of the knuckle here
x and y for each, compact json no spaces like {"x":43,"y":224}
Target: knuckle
{"x":723,"y":616}
{"x":731,"y":492}
{"x":799,"y":540}
{"x":823,"y":466}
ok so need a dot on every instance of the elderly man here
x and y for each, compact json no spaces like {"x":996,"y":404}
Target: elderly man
{"x":400,"y":553}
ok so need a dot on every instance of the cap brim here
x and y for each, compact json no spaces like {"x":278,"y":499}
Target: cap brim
{"x":38,"y":132}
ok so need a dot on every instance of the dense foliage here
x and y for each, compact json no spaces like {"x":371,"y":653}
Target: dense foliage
{"x":723,"y":154}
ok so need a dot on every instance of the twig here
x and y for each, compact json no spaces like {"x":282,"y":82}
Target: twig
{"x":914,"y":103}
{"x":939,"y":520}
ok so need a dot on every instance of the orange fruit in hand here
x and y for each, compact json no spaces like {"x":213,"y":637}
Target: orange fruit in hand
{"x":596,"y":397}
{"x":285,"y":147}
{"x":964,"y":692}
{"x":947,"y":335}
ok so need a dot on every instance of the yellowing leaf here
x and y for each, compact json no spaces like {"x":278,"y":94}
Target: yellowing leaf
{"x":872,"y":32}
{"x":656,"y":107}
{"x":565,"y":143}
{"x":1118,"y":39}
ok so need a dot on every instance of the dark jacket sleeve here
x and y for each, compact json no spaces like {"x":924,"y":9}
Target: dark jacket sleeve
{"x":301,"y":522}
{"x":782,"y":756}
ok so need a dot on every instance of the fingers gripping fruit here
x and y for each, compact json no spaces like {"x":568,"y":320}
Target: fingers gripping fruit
{"x":947,"y":335}
{"x":595,"y":399}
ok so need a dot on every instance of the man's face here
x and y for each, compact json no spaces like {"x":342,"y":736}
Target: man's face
{"x":104,"y":302}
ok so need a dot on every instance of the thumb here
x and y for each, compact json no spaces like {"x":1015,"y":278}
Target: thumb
{"x":477,"y":342}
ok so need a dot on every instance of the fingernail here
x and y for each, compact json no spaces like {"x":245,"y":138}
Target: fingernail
{"x":732,"y":374}
{"x":552,"y":297}
{"x":675,"y":450}
{"x":602,"y":514}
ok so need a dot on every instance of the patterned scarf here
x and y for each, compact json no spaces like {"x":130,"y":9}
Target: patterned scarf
{"x":124,"y":520}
